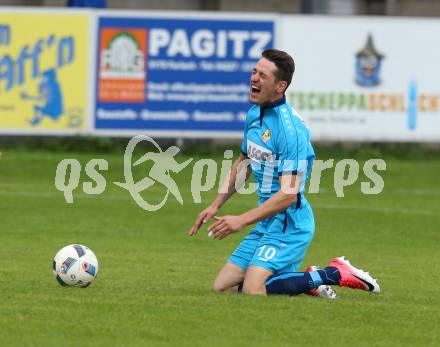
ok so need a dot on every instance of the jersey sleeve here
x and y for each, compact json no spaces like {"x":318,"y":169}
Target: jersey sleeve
{"x":292,"y":149}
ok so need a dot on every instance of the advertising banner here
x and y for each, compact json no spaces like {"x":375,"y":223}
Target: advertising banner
{"x":365,"y":79}
{"x":176,"y":76}
{"x":44,"y":59}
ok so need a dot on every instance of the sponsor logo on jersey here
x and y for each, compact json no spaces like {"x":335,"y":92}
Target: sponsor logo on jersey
{"x":259,"y":153}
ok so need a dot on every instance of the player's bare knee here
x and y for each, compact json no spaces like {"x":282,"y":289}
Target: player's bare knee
{"x":255,"y":280}
{"x":254,"y":289}
{"x":218,"y":287}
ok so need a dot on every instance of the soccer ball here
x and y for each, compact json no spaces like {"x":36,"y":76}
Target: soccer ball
{"x":75,"y":265}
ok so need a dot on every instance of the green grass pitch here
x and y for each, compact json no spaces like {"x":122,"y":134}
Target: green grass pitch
{"x":153,"y":287}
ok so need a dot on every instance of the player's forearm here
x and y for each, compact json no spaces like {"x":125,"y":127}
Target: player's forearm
{"x":221,"y":198}
{"x":277,"y":203}
{"x":231,"y":183}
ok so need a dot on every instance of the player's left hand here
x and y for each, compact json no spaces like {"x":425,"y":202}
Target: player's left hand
{"x":226,"y":225}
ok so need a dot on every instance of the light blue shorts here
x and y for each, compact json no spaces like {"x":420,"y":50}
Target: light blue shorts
{"x":282,"y":246}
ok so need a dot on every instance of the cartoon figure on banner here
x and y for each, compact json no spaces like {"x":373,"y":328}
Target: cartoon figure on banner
{"x":368,"y":64}
{"x":49,"y":99}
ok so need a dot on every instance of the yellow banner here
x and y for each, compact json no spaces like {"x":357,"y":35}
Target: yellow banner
{"x":43,"y":71}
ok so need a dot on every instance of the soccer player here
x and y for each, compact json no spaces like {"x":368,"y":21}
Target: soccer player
{"x":277,"y":146}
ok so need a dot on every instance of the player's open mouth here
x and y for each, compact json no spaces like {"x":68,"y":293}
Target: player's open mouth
{"x":255,"y":90}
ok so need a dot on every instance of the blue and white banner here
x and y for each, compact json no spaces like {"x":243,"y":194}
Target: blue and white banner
{"x":369,"y":84}
{"x":175,"y":74}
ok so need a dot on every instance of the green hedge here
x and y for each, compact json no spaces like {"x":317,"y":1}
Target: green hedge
{"x":213,"y":147}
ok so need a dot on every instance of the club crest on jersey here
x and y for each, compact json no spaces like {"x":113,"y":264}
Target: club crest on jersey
{"x":259,"y":153}
{"x":266,"y":136}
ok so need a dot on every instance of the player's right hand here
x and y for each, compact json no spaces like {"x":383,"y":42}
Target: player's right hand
{"x":202,"y":218}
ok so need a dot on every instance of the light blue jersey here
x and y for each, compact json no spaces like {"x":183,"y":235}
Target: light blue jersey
{"x":277,"y":142}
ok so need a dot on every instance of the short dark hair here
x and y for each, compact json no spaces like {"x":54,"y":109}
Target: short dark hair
{"x":284,"y":63}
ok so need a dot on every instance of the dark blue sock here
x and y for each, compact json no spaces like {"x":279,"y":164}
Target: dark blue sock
{"x":294,"y":283}
{"x":289,"y":283}
{"x":330,"y":275}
